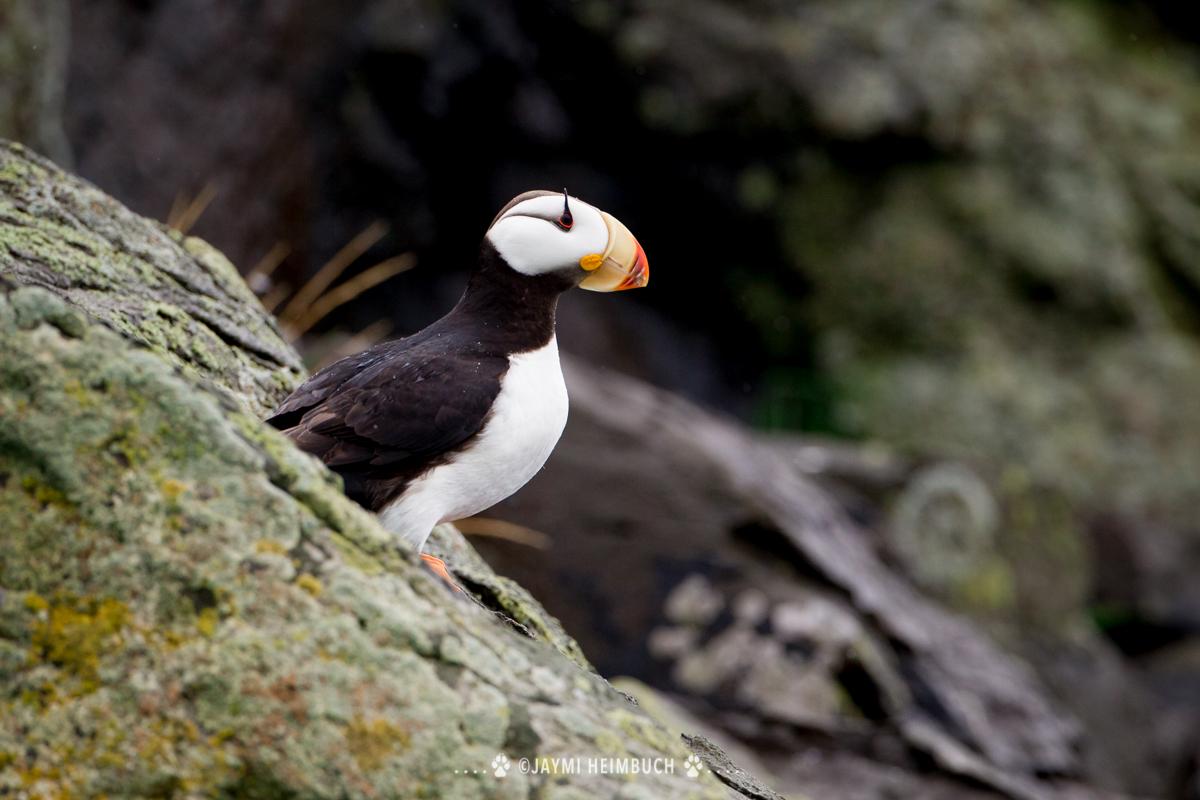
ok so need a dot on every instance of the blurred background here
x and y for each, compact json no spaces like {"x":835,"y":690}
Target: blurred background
{"x":931,"y":266}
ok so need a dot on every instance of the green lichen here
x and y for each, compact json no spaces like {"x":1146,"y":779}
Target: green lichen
{"x":44,"y":494}
{"x":15,"y":171}
{"x":181,"y":298}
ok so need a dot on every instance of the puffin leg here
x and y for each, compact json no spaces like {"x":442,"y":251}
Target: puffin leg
{"x":438,"y":567}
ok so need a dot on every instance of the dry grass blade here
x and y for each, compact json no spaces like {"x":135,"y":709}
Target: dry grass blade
{"x":177,"y":206}
{"x":332,"y":268}
{"x":183,"y":220}
{"x":267,"y":265}
{"x":345,"y":292}
{"x":277,"y":295}
{"x":501,"y":529}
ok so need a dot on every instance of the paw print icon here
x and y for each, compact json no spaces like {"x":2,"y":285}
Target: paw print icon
{"x":693,"y":766}
{"x":501,"y":765}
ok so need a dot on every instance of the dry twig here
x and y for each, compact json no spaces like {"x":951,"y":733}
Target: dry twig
{"x":502,"y":529}
{"x":182,"y":217}
{"x":332,"y":268}
{"x":344,"y":293}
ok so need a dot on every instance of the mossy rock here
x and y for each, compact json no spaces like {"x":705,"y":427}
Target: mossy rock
{"x":174,"y":293}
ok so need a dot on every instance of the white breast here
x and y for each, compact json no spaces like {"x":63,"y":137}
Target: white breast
{"x":526,"y":421}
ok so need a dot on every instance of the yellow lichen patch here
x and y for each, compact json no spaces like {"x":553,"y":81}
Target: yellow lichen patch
{"x":221,"y":736}
{"x":269,"y":546}
{"x":207,"y":621}
{"x":43,"y":494}
{"x":373,"y":740}
{"x":36,"y":603}
{"x":310,"y":584}
{"x":75,"y":633}
{"x":172,"y":489}
{"x":83,"y":397}
{"x":169,"y":638}
{"x":126,"y":445}
{"x":42,"y":696}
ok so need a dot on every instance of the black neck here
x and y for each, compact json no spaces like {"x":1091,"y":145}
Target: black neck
{"x":511,"y":311}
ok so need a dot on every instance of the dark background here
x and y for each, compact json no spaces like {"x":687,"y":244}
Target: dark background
{"x":938,"y":234}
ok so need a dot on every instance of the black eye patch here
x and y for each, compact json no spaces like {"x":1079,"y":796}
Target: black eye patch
{"x":565,"y":220}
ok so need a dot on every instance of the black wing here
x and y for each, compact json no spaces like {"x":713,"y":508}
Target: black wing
{"x":382,"y":417}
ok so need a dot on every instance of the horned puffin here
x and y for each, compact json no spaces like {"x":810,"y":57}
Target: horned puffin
{"x":449,"y":421}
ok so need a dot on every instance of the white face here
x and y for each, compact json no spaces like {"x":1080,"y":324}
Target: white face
{"x":532,"y":242}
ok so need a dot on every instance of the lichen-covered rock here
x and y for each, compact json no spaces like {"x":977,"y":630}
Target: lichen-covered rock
{"x":175,"y":294}
{"x":189,"y":606}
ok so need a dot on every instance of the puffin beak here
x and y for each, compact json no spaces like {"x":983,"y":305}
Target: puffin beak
{"x":622,"y":265}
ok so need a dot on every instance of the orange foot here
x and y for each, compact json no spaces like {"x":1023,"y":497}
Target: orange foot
{"x":439,"y":568}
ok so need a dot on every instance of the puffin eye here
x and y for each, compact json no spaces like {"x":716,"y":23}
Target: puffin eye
{"x":565,"y":221}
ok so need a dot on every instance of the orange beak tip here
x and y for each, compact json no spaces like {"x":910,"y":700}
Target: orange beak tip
{"x":639,"y":273}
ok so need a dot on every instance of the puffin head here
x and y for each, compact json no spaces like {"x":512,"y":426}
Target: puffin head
{"x":542,"y":232}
